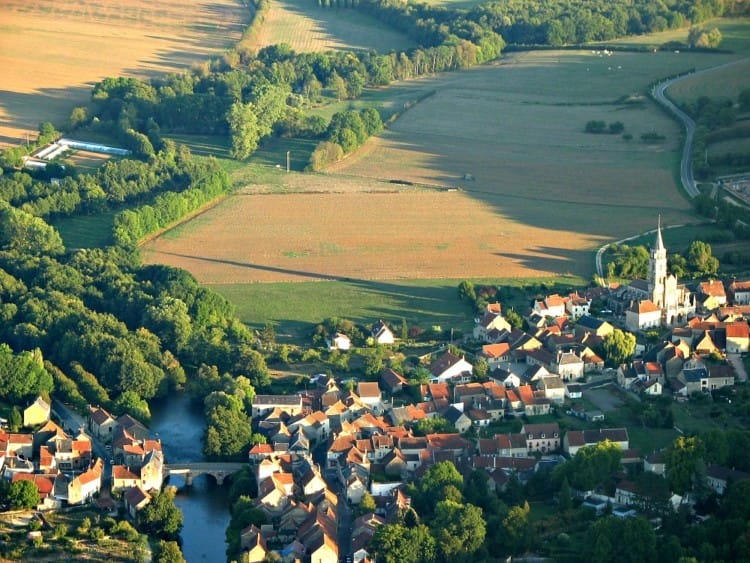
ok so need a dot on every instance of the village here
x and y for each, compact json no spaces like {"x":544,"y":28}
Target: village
{"x":336,"y":458}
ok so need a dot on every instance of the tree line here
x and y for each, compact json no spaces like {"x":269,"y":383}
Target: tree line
{"x":555,"y":23}
{"x":106,"y":329}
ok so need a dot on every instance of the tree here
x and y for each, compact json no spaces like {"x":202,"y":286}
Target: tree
{"x":618,"y":347}
{"x":244,"y":130}
{"x":457,"y":528}
{"x":337,"y":85}
{"x":591,"y":466}
{"x":481,"y":369}
{"x":367,"y":504}
{"x":680,"y":460}
{"x":701,"y":260}
{"x":395,"y":543}
{"x":169,"y":552}
{"x":161,"y":517}
{"x":429,"y":489}
{"x":565,"y":498}
{"x":435,"y":425}
{"x":514,"y":319}
{"x":15,"y":420}
{"x":630,"y":540}
{"x":517,"y":528}
{"x":23,"y":494}
{"x":467,"y":292}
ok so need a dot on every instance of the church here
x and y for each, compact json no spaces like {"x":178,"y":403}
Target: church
{"x":658,"y":300}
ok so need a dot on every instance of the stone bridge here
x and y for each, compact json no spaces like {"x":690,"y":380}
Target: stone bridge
{"x":189,"y":471}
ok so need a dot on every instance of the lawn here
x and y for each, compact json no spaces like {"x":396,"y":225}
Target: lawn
{"x":86,"y":231}
{"x":295,"y":308}
{"x":51,"y":51}
{"x":307,"y":27}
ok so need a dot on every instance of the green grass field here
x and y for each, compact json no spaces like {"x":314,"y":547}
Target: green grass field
{"x":86,"y":231}
{"x":295,"y":308}
{"x":735,"y":36}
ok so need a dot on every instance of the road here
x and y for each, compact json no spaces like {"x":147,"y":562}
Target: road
{"x":72,"y":423}
{"x":686,"y":168}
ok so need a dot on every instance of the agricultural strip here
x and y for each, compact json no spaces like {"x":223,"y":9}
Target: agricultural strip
{"x":52,"y":51}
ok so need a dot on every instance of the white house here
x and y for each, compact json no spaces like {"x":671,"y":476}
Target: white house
{"x":381,"y":334}
{"x":642,"y":315}
{"x":552,"y":306}
{"x":339,"y":341}
{"x":450,"y":367}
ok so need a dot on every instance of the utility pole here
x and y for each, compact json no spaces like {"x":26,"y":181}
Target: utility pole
{"x":288,"y":161}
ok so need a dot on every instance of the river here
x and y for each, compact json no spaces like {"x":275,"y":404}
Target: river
{"x":204,"y":505}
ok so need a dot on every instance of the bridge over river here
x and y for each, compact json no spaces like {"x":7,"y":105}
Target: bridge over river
{"x":189,"y":471}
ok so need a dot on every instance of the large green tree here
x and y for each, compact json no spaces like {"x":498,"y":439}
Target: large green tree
{"x":618,"y":347}
{"x":459,"y":529}
{"x":244,"y":130}
{"x":161,"y":517}
{"x":681,"y":461}
{"x":22,"y":494}
{"x":397,"y":543}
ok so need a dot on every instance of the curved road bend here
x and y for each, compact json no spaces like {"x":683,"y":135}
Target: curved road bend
{"x":686,"y":168}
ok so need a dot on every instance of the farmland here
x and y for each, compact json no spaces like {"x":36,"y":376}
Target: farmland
{"x":307,"y":27}
{"x":51,"y":51}
{"x":534,"y":194}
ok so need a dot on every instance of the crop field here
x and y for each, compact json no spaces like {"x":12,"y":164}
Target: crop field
{"x":356,"y":232}
{"x":726,"y":82}
{"x":492,"y":176}
{"x":52,"y":51}
{"x":515,"y":143}
{"x":307,"y":27}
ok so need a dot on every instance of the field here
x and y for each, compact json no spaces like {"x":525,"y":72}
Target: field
{"x":52,"y":51}
{"x":725,"y":82}
{"x":306,"y":27}
{"x":356,"y":231}
{"x":492,"y":176}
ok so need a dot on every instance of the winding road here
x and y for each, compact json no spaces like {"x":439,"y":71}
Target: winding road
{"x":686,"y":164}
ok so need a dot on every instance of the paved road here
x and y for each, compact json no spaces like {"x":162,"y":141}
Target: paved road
{"x":686,"y":168}
{"x":686,"y":164}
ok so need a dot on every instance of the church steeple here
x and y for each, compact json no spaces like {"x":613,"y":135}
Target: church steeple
{"x":657,"y":271}
{"x":659,"y":244}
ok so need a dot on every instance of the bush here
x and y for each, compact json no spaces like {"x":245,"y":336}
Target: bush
{"x":652,"y":137}
{"x":596,"y":127}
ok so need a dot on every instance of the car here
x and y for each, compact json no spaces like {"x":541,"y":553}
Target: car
{"x":108,"y":447}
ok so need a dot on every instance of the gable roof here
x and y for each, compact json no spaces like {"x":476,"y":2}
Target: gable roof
{"x":443,"y":363}
{"x":369,"y":389}
{"x":392,"y":378}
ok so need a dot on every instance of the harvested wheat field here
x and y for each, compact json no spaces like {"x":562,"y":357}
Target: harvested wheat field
{"x":512,"y":137}
{"x":407,"y":234}
{"x":52,"y":51}
{"x":533,"y":194}
{"x":307,"y":27}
